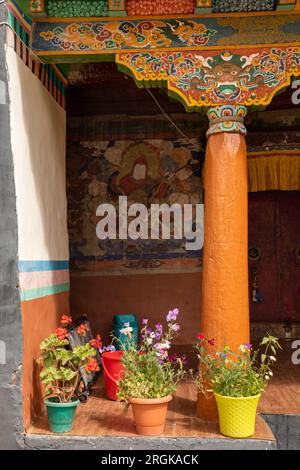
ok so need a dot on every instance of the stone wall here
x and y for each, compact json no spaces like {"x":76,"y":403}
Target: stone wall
{"x":10,"y":318}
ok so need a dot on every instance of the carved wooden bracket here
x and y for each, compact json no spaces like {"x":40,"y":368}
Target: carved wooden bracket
{"x":210,"y":78}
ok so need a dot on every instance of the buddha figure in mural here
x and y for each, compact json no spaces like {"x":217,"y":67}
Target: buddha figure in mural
{"x":139,"y":173}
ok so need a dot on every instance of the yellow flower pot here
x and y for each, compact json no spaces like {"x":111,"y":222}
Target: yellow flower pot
{"x":237,"y":415}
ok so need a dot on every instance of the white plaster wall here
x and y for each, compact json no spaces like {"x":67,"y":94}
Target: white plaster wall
{"x":38,"y":137}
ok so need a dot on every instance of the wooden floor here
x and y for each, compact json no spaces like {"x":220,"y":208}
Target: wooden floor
{"x":101,"y":417}
{"x":282,"y":395}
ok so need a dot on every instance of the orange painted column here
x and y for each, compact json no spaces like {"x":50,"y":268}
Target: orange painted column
{"x":225,"y":308}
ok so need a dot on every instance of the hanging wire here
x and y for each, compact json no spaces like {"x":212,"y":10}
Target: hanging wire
{"x":172,"y":122}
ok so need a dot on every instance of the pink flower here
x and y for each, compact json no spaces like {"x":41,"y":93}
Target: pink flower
{"x":200,"y":336}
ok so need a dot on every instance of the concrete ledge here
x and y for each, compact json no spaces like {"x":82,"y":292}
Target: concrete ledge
{"x":43,"y":442}
{"x":286,"y":429}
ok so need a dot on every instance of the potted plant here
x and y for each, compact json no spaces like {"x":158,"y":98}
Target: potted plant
{"x":150,"y":374}
{"x":60,"y":374}
{"x":236,"y":381}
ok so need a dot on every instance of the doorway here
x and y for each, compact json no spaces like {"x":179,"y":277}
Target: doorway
{"x":274,"y":262}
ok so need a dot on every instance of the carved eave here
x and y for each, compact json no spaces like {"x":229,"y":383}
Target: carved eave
{"x":210,"y":78}
{"x":202,"y":61}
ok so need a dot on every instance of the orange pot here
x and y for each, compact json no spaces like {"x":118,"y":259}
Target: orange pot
{"x":150,"y":414}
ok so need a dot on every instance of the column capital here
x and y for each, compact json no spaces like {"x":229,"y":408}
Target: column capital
{"x":227,"y":118}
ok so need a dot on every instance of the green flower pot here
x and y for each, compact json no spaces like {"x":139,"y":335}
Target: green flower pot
{"x":61,"y":415}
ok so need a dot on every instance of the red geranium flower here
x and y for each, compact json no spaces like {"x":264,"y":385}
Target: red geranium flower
{"x":96,"y":342}
{"x":66,"y":320}
{"x":200,"y":336}
{"x":82,"y":329}
{"x":212,"y":341}
{"x":61,"y":333}
{"x":92,"y":365}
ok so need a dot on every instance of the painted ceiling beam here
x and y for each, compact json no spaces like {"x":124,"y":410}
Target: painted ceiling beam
{"x":73,"y":40}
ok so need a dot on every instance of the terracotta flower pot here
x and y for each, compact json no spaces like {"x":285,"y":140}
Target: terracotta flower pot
{"x":150,"y":414}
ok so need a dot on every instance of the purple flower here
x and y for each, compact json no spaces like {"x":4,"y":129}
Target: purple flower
{"x":109,"y":348}
{"x":148,"y":331}
{"x":248,"y":346}
{"x":158,"y":335}
{"x":145,"y":321}
{"x":172,"y":315}
{"x":184,"y":359}
{"x":158,"y":326}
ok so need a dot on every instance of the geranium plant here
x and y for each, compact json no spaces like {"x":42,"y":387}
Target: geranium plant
{"x":60,"y":365}
{"x":243,"y":374}
{"x":149,"y":370}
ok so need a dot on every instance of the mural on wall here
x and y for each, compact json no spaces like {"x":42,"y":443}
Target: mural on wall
{"x":146,"y":171}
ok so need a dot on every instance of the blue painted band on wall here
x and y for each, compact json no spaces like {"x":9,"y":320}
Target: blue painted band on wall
{"x":31,"y":266}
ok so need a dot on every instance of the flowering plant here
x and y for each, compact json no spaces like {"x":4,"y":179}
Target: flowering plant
{"x":149,"y":370}
{"x":235,"y":375}
{"x":60,"y":372}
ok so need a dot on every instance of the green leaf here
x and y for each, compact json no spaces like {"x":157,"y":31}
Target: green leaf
{"x":265,"y":340}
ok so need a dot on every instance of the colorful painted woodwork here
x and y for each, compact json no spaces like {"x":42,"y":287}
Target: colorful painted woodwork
{"x":92,"y":8}
{"x":164,"y":7}
{"x":67,"y":38}
{"x":227,"y":118}
{"x":286,"y":4}
{"x":230,"y":6}
{"x":203,"y":6}
{"x":36,"y":6}
{"x":203,"y":3}
{"x":49,"y":74}
{"x":99,"y":35}
{"x":77,"y":8}
{"x":250,"y":77}
{"x":116,"y":8}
